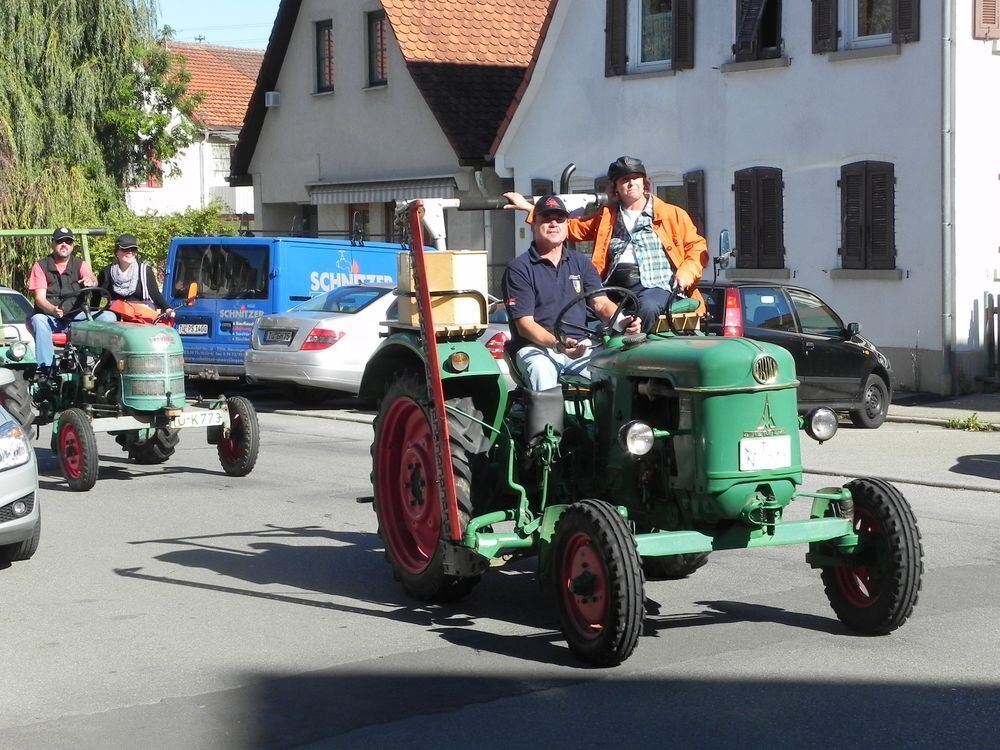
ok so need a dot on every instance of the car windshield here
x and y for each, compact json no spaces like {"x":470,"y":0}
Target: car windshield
{"x":14,"y":308}
{"x":222,"y":271}
{"x":344,"y":299}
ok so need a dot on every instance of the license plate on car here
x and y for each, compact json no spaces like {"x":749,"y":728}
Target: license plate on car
{"x":278,"y":337}
{"x":204,"y":418}
{"x":192,"y":329}
{"x":762,"y":453}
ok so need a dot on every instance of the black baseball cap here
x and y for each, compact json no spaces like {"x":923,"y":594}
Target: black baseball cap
{"x":550,"y":203}
{"x":625,"y":165}
{"x":63,"y":233}
{"x":126,"y":242}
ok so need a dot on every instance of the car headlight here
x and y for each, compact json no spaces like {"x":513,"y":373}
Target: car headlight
{"x":15,"y":448}
{"x":636,"y":438}
{"x":821,"y":424}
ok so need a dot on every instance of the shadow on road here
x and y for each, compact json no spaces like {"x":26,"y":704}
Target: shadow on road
{"x":985,"y":465}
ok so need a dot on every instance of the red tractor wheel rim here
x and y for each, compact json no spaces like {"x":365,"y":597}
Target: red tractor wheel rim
{"x":861,"y":584}
{"x":407,"y":486}
{"x":231,"y":444}
{"x":70,"y":451}
{"x":584,"y":586}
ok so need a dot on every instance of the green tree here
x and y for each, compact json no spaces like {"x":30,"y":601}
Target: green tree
{"x":86,"y":94}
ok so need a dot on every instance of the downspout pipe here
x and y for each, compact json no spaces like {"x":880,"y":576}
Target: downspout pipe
{"x":948,"y":197}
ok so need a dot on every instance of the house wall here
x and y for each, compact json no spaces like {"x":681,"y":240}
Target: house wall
{"x":977,"y":192}
{"x":808,"y":119}
{"x":354,"y":133}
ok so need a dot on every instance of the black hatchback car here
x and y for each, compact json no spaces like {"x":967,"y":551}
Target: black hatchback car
{"x":836,"y":367}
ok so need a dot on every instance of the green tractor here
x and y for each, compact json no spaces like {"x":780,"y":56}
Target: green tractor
{"x":681,"y":444}
{"x":125,"y":378}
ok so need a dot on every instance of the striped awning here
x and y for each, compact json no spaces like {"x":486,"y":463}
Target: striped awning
{"x":383,"y":191}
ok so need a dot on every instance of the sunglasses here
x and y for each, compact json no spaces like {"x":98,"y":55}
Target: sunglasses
{"x":65,"y":241}
{"x":126,"y":249}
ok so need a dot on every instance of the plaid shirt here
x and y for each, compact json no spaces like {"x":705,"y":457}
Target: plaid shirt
{"x":654,"y":265}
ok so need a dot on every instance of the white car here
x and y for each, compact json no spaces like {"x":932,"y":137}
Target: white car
{"x":15,"y":310}
{"x":323,"y":344}
{"x":20,"y":514}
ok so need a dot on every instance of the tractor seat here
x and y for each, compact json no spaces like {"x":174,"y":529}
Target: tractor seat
{"x":60,"y":338}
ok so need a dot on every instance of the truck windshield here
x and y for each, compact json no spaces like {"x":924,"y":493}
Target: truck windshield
{"x":344,"y":299}
{"x":222,"y":271}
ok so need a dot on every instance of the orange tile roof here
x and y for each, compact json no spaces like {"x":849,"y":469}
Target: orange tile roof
{"x":225,"y":76}
{"x":467,"y":31}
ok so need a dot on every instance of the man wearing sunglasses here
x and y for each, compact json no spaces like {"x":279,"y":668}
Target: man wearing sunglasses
{"x":56,"y":282}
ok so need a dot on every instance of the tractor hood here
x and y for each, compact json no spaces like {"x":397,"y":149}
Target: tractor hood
{"x":126,"y":338}
{"x":699,"y":362}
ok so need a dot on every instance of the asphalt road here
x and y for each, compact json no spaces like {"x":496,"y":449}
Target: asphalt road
{"x":177,"y":607}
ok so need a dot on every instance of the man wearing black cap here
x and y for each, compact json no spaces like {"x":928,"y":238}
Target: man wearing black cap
{"x":55,"y":283}
{"x":541,"y":282}
{"x":641,"y":243}
{"x":128,"y":279}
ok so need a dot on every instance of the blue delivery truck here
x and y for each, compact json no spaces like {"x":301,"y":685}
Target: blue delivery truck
{"x":242,"y":278}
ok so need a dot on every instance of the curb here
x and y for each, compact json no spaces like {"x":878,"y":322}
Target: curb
{"x":358,"y":418}
{"x":906,"y":480}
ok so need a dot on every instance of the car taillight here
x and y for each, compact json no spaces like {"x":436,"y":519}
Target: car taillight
{"x":321,"y":338}
{"x":496,"y":343}
{"x":732,"y":322}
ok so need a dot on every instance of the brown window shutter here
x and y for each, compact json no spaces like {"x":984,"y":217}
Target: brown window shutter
{"x":746,"y":218}
{"x":682,"y":57}
{"x":986,"y":19}
{"x":615,"y":38}
{"x":881,"y":206}
{"x":748,"y":29}
{"x":540,"y":187}
{"x":771,"y":233}
{"x":852,"y":215}
{"x":905,"y":21}
{"x":694,"y":190}
{"x":824,"y":23}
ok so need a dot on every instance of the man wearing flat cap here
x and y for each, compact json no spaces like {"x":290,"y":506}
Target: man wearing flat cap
{"x":129,"y":279}
{"x":56,"y":283}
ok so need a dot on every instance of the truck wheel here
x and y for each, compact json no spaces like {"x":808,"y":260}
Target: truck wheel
{"x":875,"y":404}
{"x":77,"y":449}
{"x":876,"y":591}
{"x":673,"y":567}
{"x":238,"y":452}
{"x":16,"y":399}
{"x":23,"y":550}
{"x":154,"y":449}
{"x":412,"y":514}
{"x":597,"y":577}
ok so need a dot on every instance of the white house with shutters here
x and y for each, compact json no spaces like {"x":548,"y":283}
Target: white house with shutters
{"x":848,"y":145}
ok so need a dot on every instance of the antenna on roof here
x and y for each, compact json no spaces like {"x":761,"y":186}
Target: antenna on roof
{"x":200,"y":39}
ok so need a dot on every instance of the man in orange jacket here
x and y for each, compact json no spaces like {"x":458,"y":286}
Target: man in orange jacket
{"x":640,"y":242}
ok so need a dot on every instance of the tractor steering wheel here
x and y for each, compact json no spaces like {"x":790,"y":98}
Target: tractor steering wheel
{"x":84,"y":306}
{"x":590,"y":334}
{"x":162,"y":316}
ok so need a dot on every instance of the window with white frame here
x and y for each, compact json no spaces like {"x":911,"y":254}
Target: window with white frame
{"x":648,"y":35}
{"x":220,"y":160}
{"x":856,"y":24}
{"x":867,"y":23}
{"x":649,"y":42}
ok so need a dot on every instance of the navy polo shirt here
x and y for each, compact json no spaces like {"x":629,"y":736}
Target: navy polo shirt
{"x":533,"y":286}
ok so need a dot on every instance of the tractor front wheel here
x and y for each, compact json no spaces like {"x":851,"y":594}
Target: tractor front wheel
{"x":77,"y":448}
{"x":238,"y":450}
{"x":597,"y":577}
{"x":409,"y":501}
{"x":16,"y":399}
{"x":875,"y":591}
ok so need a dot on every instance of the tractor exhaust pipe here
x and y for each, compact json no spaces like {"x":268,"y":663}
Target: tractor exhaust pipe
{"x":564,"y":178}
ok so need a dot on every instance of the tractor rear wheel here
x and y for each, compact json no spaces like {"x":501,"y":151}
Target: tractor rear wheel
{"x":158,"y":446}
{"x":410,"y":505}
{"x":77,"y":449}
{"x":597,"y":577}
{"x":16,"y":399}
{"x":673,"y":567}
{"x":875,"y":592}
{"x":238,"y":451}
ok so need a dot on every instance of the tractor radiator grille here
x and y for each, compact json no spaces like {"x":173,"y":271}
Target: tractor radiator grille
{"x":765,"y":369}
{"x":6,"y":514}
{"x":151,"y":365}
{"x":147,"y":388}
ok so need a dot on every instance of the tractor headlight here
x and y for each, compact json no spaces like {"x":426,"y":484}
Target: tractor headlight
{"x":458,"y":362}
{"x":17,"y":351}
{"x":14,"y":446}
{"x":821,"y":424}
{"x":636,"y":438}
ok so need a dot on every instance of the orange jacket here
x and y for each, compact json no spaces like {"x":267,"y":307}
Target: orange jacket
{"x":686,"y":248}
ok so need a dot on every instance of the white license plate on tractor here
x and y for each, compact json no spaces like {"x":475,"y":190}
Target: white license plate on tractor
{"x":205,"y":418}
{"x":763,"y":453}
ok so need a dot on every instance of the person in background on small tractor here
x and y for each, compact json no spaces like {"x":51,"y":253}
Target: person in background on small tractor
{"x":129,"y":279}
{"x":641,"y":243}
{"x":537,"y":285}
{"x":56,"y":283}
